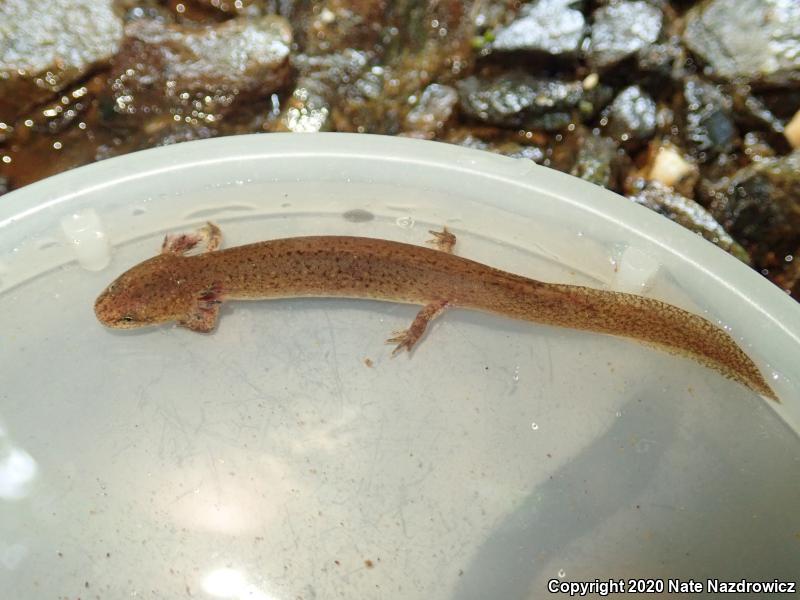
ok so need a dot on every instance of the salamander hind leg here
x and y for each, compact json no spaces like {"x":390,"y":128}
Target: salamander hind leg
{"x":444,"y":240}
{"x":181,"y":243}
{"x":205,"y":314}
{"x":406,"y":339}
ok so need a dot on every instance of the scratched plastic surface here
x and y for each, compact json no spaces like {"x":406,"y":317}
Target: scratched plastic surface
{"x":287,"y":456}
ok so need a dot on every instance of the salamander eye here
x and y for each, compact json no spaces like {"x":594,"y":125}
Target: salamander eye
{"x":126,"y":319}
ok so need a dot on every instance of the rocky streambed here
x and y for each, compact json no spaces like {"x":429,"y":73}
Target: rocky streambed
{"x":689,"y":108}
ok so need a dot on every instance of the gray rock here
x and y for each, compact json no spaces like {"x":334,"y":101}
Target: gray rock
{"x":533,"y":153}
{"x":549,"y":26}
{"x":690,"y":214}
{"x":620,"y":29}
{"x":322,"y":80}
{"x":132,"y":10}
{"x":752,"y":112}
{"x":228,"y":6}
{"x":402,"y":47}
{"x":660,"y":62}
{"x":755,"y":41}
{"x":432,"y":111}
{"x":197,"y":75}
{"x":709,"y":127}
{"x":597,"y":161}
{"x":760,"y":206}
{"x":756,"y":147}
{"x":491,"y":16}
{"x":497,"y":141}
{"x":48,"y":44}
{"x":519,"y":100}
{"x":631,"y":116}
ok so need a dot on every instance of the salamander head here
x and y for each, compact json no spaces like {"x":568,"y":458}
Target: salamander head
{"x":154,"y":291}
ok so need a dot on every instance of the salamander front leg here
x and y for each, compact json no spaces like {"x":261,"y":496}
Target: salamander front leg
{"x":205,"y":314}
{"x":406,"y":340}
{"x":181,"y":243}
{"x":444,"y":240}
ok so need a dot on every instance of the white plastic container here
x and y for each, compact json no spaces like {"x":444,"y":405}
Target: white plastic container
{"x":287,"y":456}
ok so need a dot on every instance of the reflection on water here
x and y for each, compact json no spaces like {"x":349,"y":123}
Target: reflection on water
{"x":18,"y":469}
{"x":231,"y":583}
{"x":237,"y":507}
{"x":525,"y":545}
{"x":12,"y":555}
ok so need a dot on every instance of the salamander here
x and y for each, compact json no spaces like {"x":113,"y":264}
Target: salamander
{"x":178,"y":286}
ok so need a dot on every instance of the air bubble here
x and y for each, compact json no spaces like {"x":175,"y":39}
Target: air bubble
{"x":406,"y":222}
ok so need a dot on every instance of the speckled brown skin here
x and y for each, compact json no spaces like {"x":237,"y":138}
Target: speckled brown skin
{"x":188,"y":289}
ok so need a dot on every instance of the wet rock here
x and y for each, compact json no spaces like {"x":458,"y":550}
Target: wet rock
{"x":519,"y":100}
{"x":782,"y":102}
{"x":513,"y":150}
{"x":709,"y":126}
{"x":160,"y":132}
{"x":322,"y":80}
{"x":492,"y":16}
{"x":621,"y":29}
{"x":306,"y":111}
{"x":466,"y":139}
{"x":407,"y":46}
{"x":48,"y":44}
{"x":181,"y":133}
{"x":548,"y":26}
{"x":631,"y":117}
{"x":336,"y":25}
{"x":659,"y":63}
{"x":752,"y":112}
{"x":755,"y":41}
{"x":132,"y":10}
{"x":689,"y":214}
{"x":500,"y":142}
{"x":36,"y":152}
{"x":56,"y":115}
{"x":756,"y":147}
{"x":425,"y":43}
{"x":432,"y":111}
{"x":226,"y":6}
{"x":790,"y":279}
{"x":584,"y":153}
{"x":197,"y":75}
{"x":760,"y":206}
{"x":597,"y":161}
